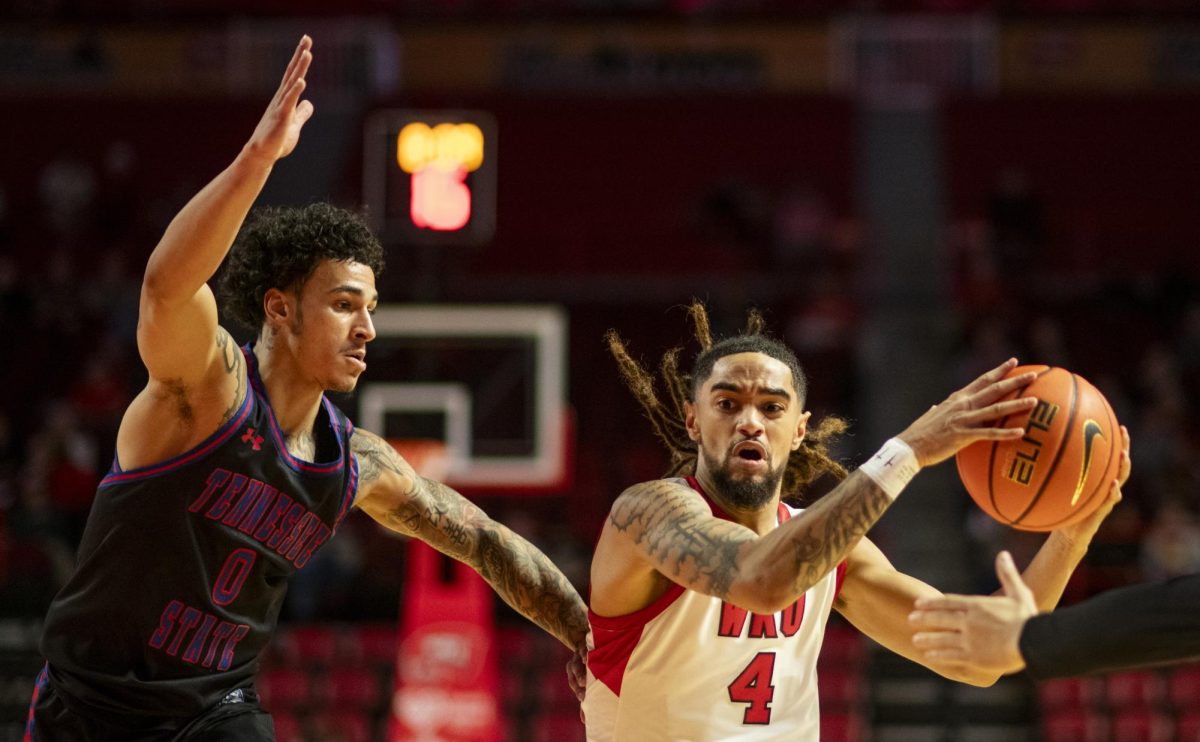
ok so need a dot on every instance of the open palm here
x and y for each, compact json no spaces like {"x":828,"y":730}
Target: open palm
{"x":279,"y":129}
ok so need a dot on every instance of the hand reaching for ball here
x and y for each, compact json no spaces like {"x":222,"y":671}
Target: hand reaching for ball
{"x":973,"y":413}
{"x":1062,"y":469}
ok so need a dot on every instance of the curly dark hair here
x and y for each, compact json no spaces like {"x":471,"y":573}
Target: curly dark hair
{"x":280,"y":247}
{"x":805,"y":465}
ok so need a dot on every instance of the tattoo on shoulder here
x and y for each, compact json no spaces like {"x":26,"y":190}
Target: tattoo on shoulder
{"x":376,"y":456}
{"x":231,"y":359}
{"x":659,"y":520}
{"x":231,"y":355}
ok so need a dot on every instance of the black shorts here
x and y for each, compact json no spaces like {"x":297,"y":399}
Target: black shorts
{"x":237,"y":718}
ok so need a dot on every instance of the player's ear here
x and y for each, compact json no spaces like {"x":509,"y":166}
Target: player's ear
{"x":801,"y":430}
{"x":277,"y":307}
{"x":689,"y":421}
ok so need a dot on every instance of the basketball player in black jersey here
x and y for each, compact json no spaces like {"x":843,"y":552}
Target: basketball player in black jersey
{"x":232,"y":469}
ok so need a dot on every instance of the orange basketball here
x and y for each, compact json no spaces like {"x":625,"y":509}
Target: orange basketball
{"x":1059,"y":472}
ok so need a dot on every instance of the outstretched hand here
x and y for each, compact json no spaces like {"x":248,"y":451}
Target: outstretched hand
{"x":970,"y":415}
{"x":980,"y":633}
{"x":279,"y":129}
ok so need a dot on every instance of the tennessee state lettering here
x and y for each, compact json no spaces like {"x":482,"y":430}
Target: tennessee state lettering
{"x":785,"y":623}
{"x":204,"y":634}
{"x":264,"y":513}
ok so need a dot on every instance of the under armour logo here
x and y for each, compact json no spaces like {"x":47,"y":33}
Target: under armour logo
{"x":252,"y":439}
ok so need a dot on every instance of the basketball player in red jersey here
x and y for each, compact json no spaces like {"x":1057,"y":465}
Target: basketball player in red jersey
{"x":232,"y":469}
{"x":709,"y":596}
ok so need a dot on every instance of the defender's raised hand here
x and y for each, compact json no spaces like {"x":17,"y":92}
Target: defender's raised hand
{"x":279,"y":129}
{"x":970,"y":415}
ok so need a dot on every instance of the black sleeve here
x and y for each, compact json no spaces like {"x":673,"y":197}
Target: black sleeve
{"x":1129,"y":627}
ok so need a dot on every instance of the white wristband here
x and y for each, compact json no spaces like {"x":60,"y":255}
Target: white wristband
{"x":892,"y":467}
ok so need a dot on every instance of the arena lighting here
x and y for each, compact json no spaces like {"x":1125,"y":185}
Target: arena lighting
{"x":429,"y":177}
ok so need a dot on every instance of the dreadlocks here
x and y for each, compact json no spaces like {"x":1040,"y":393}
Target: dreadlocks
{"x":804,"y":465}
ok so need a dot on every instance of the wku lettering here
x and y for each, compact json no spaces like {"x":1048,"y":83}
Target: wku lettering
{"x":785,"y":623}
{"x":264,"y":513}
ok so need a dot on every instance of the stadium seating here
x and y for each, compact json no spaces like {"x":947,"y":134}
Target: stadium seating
{"x":1187,"y":728}
{"x":344,"y":725}
{"x":1075,"y":725}
{"x":842,"y":648}
{"x":1067,"y":694}
{"x":558,"y":726}
{"x":285,"y":688}
{"x":837,"y":727}
{"x":371,"y":644}
{"x":1141,"y":725}
{"x":1134,"y":690}
{"x":840,"y":690}
{"x":287,"y":727}
{"x":354,"y":688}
{"x":315,"y":645}
{"x":1183,"y":689}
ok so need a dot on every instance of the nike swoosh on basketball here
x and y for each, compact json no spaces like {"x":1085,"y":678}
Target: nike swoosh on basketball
{"x":1091,"y":429}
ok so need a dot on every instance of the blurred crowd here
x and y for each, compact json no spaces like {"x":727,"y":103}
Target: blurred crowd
{"x":68,"y":309}
{"x":516,"y":9}
{"x":71,"y":256}
{"x":1135,"y":337}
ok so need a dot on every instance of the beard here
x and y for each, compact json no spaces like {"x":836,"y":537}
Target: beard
{"x":749,"y":493}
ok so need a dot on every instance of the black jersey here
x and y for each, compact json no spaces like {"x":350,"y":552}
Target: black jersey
{"x":1124,"y":629}
{"x":183,"y":565}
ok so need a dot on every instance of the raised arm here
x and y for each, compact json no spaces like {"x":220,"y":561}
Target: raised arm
{"x":663,"y":530}
{"x":178,"y":314}
{"x":392,"y":493}
{"x":197,"y":376}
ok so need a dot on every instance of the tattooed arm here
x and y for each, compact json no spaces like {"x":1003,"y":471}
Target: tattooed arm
{"x":663,"y":530}
{"x":391,"y":492}
{"x":660,"y":532}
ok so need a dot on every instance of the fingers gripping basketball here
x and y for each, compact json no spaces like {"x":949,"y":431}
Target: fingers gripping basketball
{"x":1059,"y":472}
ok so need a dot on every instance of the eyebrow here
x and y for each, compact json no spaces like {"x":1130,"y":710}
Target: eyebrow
{"x":349,"y":289}
{"x":739,"y":389}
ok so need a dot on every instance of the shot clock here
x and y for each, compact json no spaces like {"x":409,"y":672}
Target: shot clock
{"x":429,"y":177}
